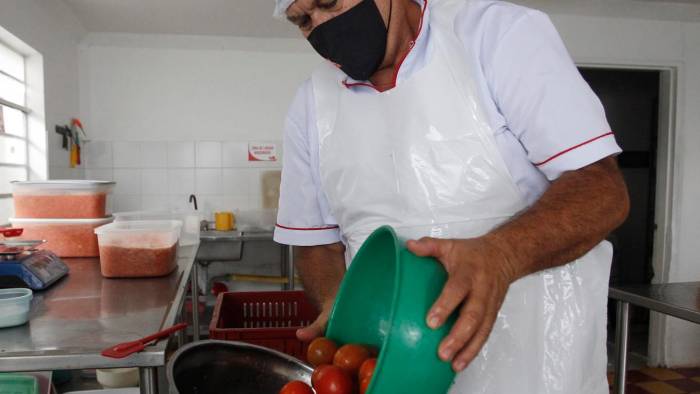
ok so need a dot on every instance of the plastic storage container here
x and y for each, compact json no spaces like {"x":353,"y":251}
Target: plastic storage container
{"x":11,"y":383}
{"x":65,"y":237}
{"x":143,"y":248}
{"x":268,"y":319}
{"x":115,"y":378}
{"x":64,"y":199}
{"x":189,"y":234}
{"x":14,"y":307}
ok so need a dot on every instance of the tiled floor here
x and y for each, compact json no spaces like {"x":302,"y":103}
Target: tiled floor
{"x":662,"y":381}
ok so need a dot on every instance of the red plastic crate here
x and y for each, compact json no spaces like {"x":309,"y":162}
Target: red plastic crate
{"x":268,"y":319}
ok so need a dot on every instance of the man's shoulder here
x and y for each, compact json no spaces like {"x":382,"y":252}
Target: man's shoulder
{"x":489,"y":16}
{"x":299,"y":108}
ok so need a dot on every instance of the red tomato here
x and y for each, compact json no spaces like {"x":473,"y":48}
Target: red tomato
{"x":364,"y":384}
{"x":334,"y":381}
{"x":318,"y":374}
{"x":350,"y":357}
{"x":321,"y":351}
{"x":296,"y":387}
{"x":367,"y":368}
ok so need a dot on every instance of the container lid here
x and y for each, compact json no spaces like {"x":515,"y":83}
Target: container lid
{"x":20,"y":243}
{"x":163,"y":213}
{"x":98,"y":221}
{"x":139,"y":225}
{"x":63,"y":183}
{"x":13,"y":295}
{"x":143,"y":213}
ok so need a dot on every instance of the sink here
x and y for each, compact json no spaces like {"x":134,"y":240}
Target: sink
{"x":220,"y":246}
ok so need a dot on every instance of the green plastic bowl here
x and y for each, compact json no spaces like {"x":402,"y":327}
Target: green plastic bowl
{"x":383,"y":301}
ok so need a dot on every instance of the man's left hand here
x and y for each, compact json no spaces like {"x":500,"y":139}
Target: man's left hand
{"x":479,"y":275}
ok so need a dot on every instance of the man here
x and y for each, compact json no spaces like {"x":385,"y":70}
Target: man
{"x":466,"y":126}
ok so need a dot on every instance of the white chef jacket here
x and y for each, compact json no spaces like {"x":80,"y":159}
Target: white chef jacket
{"x":545,"y":117}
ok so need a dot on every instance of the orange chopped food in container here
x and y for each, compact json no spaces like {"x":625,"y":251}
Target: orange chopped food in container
{"x":64,"y":199}
{"x":138,"y":249}
{"x":65,"y":237}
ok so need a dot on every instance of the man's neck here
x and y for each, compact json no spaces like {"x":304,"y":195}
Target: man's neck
{"x":405,"y":22}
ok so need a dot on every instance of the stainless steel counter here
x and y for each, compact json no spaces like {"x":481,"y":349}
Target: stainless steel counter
{"x":234,"y":241}
{"x":84,"y":313}
{"x":213,"y":235}
{"x":681,"y":300}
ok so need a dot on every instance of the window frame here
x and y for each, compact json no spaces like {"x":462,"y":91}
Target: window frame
{"x":27,"y":113}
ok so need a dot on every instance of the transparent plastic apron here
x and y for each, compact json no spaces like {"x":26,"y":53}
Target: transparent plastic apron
{"x":421,"y":158}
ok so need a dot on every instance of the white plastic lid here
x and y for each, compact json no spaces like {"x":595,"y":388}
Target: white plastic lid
{"x":98,"y":221}
{"x":14,"y":295}
{"x":64,"y":183}
{"x":139,"y":225}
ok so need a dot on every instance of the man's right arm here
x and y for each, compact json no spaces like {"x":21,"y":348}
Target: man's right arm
{"x":321,"y":269}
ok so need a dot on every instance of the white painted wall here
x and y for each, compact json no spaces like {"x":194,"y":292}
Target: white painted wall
{"x":174,"y":88}
{"x":179,"y":112}
{"x":189,"y":88}
{"x":51,"y":28}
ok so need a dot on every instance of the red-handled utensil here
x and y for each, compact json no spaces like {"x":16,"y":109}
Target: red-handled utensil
{"x":11,"y":232}
{"x":124,"y":349}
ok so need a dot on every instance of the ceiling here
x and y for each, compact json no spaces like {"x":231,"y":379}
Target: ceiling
{"x":252,"y":18}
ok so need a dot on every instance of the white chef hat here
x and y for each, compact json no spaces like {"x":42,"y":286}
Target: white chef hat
{"x":281,"y":8}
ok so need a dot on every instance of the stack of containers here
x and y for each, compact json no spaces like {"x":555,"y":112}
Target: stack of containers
{"x":65,"y":213}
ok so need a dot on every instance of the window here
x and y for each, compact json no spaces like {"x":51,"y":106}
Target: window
{"x":13,"y":125}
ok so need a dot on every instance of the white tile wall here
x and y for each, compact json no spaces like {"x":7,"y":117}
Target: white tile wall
{"x":158,"y":175}
{"x":154,"y":155}
{"x":180,"y":154}
{"x":128,"y":181}
{"x":208,"y":154}
{"x":98,"y":154}
{"x":235,"y":154}
{"x":126,"y":202}
{"x":126,"y":154}
{"x":208,"y":181}
{"x":154,"y":181}
{"x":236,"y":180}
{"x":99,"y":174}
{"x":181,"y":181}
{"x":155,"y":202}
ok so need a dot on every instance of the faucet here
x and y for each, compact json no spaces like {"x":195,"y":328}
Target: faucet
{"x":193,"y":199}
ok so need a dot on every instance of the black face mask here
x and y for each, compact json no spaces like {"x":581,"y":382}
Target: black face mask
{"x":355,"y":39}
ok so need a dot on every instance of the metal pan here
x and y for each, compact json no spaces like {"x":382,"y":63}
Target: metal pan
{"x":218,"y":367}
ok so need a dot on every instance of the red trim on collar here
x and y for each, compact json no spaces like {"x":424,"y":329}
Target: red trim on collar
{"x":412,"y":45}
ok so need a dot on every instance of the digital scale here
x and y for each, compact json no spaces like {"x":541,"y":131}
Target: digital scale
{"x":21,"y":265}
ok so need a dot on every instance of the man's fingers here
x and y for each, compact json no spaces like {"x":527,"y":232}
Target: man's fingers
{"x":453,"y":293}
{"x":469,"y":321}
{"x":427,"y":246}
{"x":469,"y":353}
{"x":314,"y":330}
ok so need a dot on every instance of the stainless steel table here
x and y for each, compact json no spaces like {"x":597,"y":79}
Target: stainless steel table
{"x":84,"y":313}
{"x":681,"y":300}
